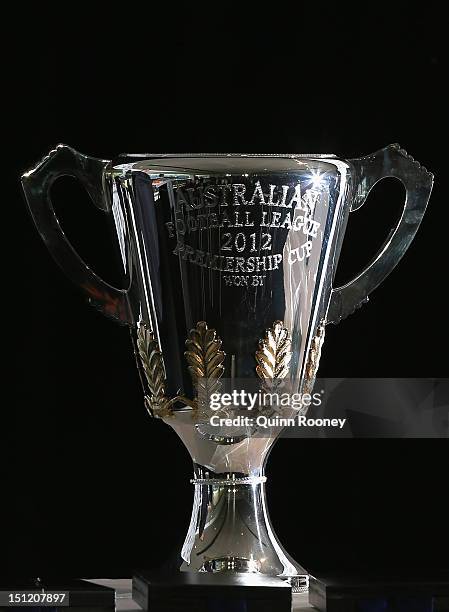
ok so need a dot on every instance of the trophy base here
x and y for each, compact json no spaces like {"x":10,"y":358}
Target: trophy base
{"x":230,"y":533}
{"x":202,"y":592}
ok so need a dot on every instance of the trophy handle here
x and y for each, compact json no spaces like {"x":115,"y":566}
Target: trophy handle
{"x":36,"y":183}
{"x":392,"y":161}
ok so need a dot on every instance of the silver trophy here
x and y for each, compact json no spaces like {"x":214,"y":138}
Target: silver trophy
{"x":228,"y":264}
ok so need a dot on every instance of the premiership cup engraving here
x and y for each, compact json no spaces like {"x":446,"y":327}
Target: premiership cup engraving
{"x":228,"y":265}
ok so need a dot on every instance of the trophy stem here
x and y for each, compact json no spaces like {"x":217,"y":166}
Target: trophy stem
{"x":230,"y":529}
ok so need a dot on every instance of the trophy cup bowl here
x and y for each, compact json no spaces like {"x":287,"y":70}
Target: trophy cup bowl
{"x":228,"y":264}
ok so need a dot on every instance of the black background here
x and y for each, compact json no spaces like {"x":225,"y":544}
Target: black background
{"x":93,"y":486}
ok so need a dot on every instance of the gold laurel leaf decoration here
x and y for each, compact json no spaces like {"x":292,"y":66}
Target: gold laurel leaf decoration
{"x":313,"y":359}
{"x":274,"y":354}
{"x":205,"y":358}
{"x":153,"y":367}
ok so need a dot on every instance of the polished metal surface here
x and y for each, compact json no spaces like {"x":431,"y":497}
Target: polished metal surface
{"x":228,"y":264}
{"x":230,"y":529}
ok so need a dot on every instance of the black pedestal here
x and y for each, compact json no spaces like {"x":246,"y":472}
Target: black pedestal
{"x":223,"y":592}
{"x":396,"y":592}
